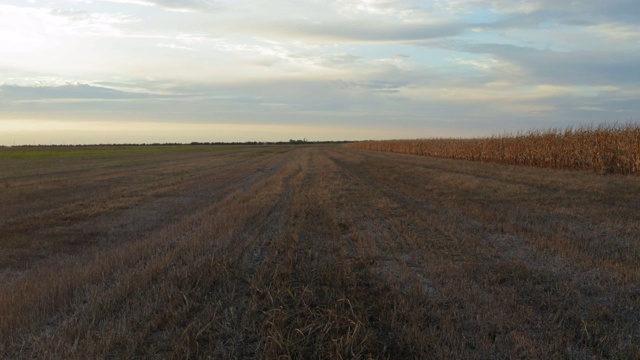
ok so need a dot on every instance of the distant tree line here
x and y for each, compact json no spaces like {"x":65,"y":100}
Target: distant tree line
{"x":197,"y":143}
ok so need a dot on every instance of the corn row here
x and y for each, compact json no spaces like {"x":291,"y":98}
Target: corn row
{"x":613,"y":149}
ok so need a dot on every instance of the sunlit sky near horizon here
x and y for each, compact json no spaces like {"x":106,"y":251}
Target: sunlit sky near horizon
{"x":125,"y":71}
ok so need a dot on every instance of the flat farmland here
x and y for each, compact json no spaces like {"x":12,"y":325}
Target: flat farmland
{"x":318,"y":251}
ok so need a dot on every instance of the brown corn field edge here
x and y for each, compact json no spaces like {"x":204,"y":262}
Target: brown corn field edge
{"x":603,"y":149}
{"x":314,"y":252}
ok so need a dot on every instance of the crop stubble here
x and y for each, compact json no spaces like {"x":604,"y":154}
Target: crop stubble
{"x":318,"y":252}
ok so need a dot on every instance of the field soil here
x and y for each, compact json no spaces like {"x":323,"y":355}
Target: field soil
{"x":307,"y":252}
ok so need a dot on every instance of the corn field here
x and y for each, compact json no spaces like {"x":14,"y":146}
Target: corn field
{"x":604,"y":149}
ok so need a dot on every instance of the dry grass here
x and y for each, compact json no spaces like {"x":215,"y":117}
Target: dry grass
{"x":604,"y":149}
{"x":318,"y":252}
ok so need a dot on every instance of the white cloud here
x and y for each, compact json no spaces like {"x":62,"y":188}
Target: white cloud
{"x":174,"y":46}
{"x":478,"y":64}
{"x":623,"y":35}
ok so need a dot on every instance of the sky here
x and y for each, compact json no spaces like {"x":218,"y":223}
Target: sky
{"x":143,"y":71}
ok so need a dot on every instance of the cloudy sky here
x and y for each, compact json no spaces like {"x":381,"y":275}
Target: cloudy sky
{"x":95,"y":71}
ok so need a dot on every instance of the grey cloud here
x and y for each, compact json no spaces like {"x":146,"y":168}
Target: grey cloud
{"x":627,"y":11}
{"x":75,"y":91}
{"x":250,"y":101}
{"x":71,"y":102}
{"x":365,"y":32}
{"x":576,"y":13}
{"x":377,"y":86}
{"x":564,"y":68}
{"x":196,"y":102}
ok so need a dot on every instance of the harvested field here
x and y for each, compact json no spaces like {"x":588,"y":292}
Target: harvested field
{"x":310,"y":252}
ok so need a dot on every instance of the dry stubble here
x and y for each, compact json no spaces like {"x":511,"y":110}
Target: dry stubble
{"x":325,"y":252}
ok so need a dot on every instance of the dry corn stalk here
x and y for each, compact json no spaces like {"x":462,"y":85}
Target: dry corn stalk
{"x":605,"y":148}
